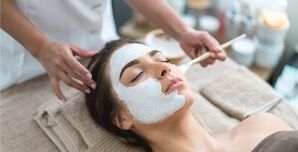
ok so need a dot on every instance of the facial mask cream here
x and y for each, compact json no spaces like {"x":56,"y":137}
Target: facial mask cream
{"x":145,"y":101}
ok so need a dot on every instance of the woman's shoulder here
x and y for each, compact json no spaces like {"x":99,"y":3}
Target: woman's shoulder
{"x":251,"y":131}
{"x":267,"y":120}
{"x":262,"y":124}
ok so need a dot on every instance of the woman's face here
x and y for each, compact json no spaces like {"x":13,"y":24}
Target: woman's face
{"x":151,"y":88}
{"x":155,"y":65}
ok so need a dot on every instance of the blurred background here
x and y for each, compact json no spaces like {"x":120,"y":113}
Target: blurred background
{"x":270,"y":49}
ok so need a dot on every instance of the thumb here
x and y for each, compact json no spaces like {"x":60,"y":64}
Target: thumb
{"x":82,"y":52}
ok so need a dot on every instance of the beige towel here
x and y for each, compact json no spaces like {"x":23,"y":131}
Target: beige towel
{"x":211,"y":118}
{"x":58,"y":128}
{"x":96,"y":138}
{"x":71,"y":128}
{"x":240,"y":93}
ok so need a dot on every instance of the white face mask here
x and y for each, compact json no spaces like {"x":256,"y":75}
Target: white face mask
{"x":145,"y":101}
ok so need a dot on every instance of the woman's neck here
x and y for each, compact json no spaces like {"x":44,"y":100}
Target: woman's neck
{"x":185,"y":135}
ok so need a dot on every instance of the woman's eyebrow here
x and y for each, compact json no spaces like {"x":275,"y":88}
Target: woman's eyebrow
{"x":136,"y":61}
{"x":129,"y":64}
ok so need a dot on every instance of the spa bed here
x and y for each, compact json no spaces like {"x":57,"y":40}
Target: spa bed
{"x":26,"y":110}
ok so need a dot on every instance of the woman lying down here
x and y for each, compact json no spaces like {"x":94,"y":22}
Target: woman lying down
{"x":146,"y":100}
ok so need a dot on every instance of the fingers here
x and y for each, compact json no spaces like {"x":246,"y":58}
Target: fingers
{"x":190,"y":51}
{"x":209,"y":61}
{"x":203,"y":64}
{"x":57,"y":90}
{"x":60,"y":64}
{"x":80,"y":71}
{"x":221,"y":56}
{"x":204,"y":42}
{"x":213,"y":46}
{"x":210,"y":42}
{"x":70,"y":82}
{"x":85,"y":80}
{"x":81,"y":52}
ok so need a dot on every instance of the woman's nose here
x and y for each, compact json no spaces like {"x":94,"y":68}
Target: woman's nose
{"x":162,"y":70}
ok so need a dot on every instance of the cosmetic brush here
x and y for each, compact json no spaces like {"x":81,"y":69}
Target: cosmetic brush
{"x":186,"y":66}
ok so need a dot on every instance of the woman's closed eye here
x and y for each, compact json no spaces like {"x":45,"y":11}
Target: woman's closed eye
{"x":137,"y":77}
{"x":140,"y":74}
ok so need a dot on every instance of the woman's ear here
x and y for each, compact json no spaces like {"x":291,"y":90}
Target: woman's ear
{"x":122,"y":121}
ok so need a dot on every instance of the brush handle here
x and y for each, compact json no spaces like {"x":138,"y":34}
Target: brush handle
{"x":223,"y":46}
{"x":227,"y":44}
{"x":199,"y":59}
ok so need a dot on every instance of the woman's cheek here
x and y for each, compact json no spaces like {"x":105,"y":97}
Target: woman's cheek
{"x":176,"y":72}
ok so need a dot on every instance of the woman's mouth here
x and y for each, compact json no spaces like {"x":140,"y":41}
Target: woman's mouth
{"x":174,"y":84}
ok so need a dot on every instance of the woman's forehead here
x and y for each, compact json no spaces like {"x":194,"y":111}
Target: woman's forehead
{"x":127,"y":53}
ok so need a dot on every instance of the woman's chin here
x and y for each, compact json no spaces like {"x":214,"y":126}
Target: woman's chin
{"x":188,"y":99}
{"x":186,"y":93}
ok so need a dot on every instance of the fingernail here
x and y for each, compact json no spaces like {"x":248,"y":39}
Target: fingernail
{"x":87,"y":90}
{"x":89,"y":75}
{"x":93,"y":86}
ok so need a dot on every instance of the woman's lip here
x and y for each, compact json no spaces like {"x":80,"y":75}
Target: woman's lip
{"x":174,"y":84}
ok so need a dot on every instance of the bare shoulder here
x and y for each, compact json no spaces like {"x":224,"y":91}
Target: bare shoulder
{"x":251,"y":131}
{"x":267,"y":121}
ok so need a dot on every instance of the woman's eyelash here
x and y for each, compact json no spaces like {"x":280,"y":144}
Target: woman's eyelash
{"x":167,"y":61}
{"x":137,"y":77}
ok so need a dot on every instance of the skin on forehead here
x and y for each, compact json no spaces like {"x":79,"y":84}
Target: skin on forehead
{"x":124,"y":55}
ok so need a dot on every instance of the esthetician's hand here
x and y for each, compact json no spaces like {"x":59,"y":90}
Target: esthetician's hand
{"x":195,"y":43}
{"x":59,"y":61}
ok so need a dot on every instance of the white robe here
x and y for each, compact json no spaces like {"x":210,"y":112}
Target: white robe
{"x":85,"y":23}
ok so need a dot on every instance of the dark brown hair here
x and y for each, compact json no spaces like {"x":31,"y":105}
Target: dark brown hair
{"x":101,"y":102}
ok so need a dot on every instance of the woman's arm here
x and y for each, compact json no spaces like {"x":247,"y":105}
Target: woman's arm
{"x":14,"y":23}
{"x":162,"y":15}
{"x":56,"y":58}
{"x":193,"y":42}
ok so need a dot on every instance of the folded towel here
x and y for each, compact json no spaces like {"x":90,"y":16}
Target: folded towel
{"x":211,"y":118}
{"x":71,"y":128}
{"x":58,"y":128}
{"x":77,"y":114}
{"x":240,"y":93}
{"x":96,"y":138}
